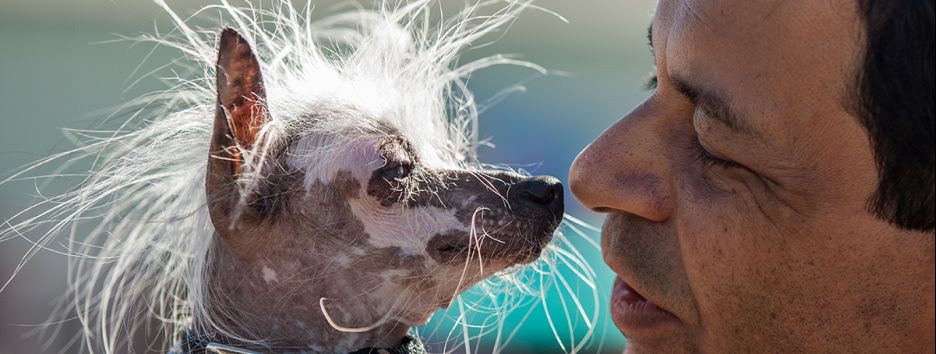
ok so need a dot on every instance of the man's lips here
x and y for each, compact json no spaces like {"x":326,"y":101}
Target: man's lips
{"x":635,"y":315}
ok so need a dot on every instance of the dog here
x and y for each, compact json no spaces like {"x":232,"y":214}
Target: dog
{"x":314,"y":188}
{"x":367,"y":239}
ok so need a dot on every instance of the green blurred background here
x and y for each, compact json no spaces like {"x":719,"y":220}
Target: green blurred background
{"x":56,"y":71}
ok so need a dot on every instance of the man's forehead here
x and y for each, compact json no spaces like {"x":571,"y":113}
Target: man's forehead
{"x":724,"y":26}
{"x":742,"y":17}
{"x":781,"y":53}
{"x":730,"y":12}
{"x":737,"y":25}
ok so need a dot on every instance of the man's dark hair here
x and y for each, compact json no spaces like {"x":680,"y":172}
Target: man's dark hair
{"x":896,"y":104}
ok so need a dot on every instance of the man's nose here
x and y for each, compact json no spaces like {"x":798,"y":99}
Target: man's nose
{"x":625,"y":170}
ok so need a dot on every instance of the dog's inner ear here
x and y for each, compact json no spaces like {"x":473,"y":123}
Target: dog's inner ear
{"x":240,"y":114}
{"x":241,"y":96}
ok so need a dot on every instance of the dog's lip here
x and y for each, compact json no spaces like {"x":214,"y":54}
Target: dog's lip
{"x":502,"y":239}
{"x":514,"y":230}
{"x":513,"y":225}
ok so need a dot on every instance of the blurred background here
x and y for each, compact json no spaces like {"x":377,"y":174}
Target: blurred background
{"x":59,"y":68}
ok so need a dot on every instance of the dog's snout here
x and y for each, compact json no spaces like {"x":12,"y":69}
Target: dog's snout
{"x":542,"y":191}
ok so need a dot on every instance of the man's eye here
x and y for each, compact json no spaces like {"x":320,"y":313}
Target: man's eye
{"x":650,"y":83}
{"x":396,"y":170}
{"x":706,"y":158}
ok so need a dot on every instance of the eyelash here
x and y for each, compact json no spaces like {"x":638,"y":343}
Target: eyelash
{"x":701,"y":155}
{"x":650,"y":83}
{"x":394,"y":171}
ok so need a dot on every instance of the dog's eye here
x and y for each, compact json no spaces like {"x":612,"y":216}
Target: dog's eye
{"x":395,"y":170}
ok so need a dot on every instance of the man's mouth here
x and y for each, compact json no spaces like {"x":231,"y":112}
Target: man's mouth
{"x":634,"y":314}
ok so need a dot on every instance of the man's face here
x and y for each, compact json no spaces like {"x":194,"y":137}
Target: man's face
{"x":737,"y":192}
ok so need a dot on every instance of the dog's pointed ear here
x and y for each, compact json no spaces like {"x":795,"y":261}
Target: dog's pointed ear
{"x":240,"y":113}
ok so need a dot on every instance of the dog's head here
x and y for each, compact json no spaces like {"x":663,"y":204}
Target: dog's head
{"x":360,"y":211}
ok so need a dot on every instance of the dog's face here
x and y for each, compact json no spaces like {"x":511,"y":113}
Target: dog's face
{"x":445,"y":215}
{"x":374,"y":225}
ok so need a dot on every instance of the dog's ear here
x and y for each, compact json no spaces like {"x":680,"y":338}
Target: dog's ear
{"x":240,"y":113}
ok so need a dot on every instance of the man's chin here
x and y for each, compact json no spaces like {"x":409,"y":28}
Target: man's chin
{"x":673,"y":343}
{"x":667,"y":338}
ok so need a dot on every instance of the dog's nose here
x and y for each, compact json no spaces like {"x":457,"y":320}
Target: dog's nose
{"x":542,"y":191}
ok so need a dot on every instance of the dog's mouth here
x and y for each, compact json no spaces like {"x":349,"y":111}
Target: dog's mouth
{"x":508,"y":219}
{"x":508,"y":241}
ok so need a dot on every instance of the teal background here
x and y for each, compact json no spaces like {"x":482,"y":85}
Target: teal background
{"x":58,"y":69}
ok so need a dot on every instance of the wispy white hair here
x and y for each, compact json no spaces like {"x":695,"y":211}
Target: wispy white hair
{"x":137,"y":225}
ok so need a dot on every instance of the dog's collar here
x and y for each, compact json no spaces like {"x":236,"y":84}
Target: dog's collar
{"x":194,"y":345}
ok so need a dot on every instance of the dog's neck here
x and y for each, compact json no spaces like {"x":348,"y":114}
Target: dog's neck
{"x":189,"y":344}
{"x":275,"y":301}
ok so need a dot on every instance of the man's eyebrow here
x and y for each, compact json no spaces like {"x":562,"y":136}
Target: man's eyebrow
{"x":712,"y":104}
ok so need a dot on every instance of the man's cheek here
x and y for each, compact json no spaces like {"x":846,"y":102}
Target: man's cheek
{"x":708,"y":257}
{"x":730,"y":267}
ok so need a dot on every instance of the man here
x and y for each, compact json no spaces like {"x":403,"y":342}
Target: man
{"x":775,"y":193}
